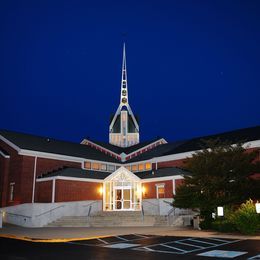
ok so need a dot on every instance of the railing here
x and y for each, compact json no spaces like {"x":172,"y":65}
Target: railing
{"x":169,"y":215}
{"x":14,"y":214}
{"x":90,"y":207}
{"x":153,"y":204}
{"x":142,"y":213}
{"x":48,"y":211}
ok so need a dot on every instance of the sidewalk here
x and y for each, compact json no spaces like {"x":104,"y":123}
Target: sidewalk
{"x":59,"y":234}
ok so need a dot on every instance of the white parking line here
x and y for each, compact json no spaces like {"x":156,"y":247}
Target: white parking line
{"x":182,"y":243}
{"x":174,"y":248}
{"x":140,"y":235}
{"x":101,"y":240}
{"x":217,"y":239}
{"x":122,"y":238}
{"x":203,"y":242}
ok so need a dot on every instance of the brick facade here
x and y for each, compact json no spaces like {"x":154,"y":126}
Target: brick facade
{"x":149,"y":189}
{"x":43,"y":191}
{"x":76,"y":190}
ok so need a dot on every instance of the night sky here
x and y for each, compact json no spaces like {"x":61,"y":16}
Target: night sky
{"x":193,"y":66}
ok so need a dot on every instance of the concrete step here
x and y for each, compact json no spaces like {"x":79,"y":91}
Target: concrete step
{"x":110,"y":219}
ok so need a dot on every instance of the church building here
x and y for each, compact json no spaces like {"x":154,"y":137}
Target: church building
{"x":121,"y":175}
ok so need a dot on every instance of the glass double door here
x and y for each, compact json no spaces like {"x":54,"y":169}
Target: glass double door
{"x":122,"y":198}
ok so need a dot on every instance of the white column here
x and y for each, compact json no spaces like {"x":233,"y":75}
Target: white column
{"x":53,"y":190}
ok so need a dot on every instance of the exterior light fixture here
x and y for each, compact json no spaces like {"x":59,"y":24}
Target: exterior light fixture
{"x":257,"y":207}
{"x":100,"y":190}
{"x":220,"y":211}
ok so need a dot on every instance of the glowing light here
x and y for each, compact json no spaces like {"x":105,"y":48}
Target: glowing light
{"x":100,"y":190}
{"x":220,"y":211}
{"x":257,"y":207}
{"x":143,"y":190}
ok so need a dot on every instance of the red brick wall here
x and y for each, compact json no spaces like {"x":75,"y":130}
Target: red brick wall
{"x":13,"y":175}
{"x":43,"y":191}
{"x":150,"y":189}
{"x":46,"y":165}
{"x":4,"y":176}
{"x":75,"y":191}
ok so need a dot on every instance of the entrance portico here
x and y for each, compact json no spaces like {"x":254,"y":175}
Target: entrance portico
{"x":122,"y":191}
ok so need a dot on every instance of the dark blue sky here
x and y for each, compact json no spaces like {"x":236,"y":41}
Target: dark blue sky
{"x":193,"y":66}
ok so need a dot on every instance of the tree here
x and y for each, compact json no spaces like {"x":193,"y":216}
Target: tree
{"x":219,"y":176}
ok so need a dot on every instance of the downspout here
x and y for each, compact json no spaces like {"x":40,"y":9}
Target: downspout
{"x":34,"y":177}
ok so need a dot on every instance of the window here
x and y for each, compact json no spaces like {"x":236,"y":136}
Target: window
{"x":103,"y":167}
{"x":96,"y":166}
{"x":11,"y":197}
{"x":128,"y":168}
{"x":140,"y":167}
{"x":111,"y":168}
{"x":134,"y":168}
{"x":148,"y":166}
{"x":160,"y":191}
{"x":87,"y":165}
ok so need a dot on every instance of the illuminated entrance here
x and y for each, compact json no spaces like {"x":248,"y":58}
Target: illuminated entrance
{"x":122,"y":191}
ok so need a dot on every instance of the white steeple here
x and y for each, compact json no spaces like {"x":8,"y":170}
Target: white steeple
{"x":124,"y":129}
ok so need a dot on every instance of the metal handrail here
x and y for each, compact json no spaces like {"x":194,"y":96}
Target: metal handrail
{"x":156,"y":205}
{"x":89,"y":210}
{"x":9,"y":213}
{"x":49,"y":211}
{"x":172,"y":210}
{"x":149,"y":202}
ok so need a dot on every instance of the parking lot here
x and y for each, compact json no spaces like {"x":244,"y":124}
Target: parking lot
{"x":197,"y":247}
{"x":132,"y":246}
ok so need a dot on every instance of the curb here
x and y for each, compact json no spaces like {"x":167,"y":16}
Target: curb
{"x":50,"y":240}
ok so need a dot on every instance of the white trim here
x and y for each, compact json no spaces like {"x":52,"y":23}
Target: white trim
{"x":4,"y":155}
{"x":166,"y":178}
{"x":178,"y":156}
{"x":9,"y":143}
{"x":34,"y":177}
{"x":103,"y":148}
{"x":69,"y":179}
{"x":50,"y":156}
{"x":159,"y":185}
{"x":144,"y":147}
{"x":53,"y":190}
{"x":251,"y":144}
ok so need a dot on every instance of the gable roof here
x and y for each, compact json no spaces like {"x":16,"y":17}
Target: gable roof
{"x":50,"y":145}
{"x":126,"y":150}
{"x":240,"y":135}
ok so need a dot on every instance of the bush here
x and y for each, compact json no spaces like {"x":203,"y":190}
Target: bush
{"x":223,"y":225}
{"x":246,"y":220}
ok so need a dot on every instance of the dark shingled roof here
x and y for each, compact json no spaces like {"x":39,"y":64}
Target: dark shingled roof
{"x":240,"y":135}
{"x":50,"y":145}
{"x":82,"y":173}
{"x":77,"y":173}
{"x":162,"y":172}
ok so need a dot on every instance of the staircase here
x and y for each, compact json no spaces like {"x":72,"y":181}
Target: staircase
{"x":111,"y":219}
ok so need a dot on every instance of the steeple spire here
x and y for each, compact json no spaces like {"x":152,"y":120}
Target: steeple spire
{"x":124,"y":90}
{"x":124,"y":129}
